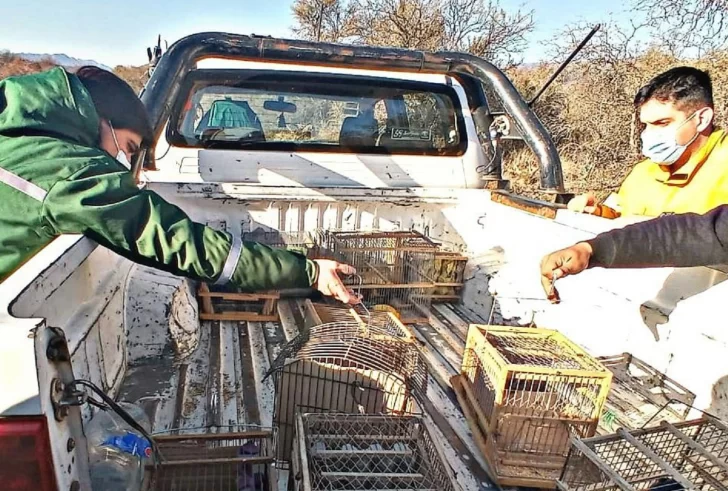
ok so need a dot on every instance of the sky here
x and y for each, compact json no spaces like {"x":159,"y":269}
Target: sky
{"x":118,"y":32}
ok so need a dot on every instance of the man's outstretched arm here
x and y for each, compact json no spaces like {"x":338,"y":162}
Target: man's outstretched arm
{"x":672,"y":241}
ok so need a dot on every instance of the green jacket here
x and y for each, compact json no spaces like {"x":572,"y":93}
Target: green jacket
{"x":48,"y":137}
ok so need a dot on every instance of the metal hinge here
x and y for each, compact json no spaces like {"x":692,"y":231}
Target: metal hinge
{"x":64,"y":397}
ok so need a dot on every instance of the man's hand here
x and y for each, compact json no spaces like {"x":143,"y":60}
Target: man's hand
{"x":584,"y":203}
{"x":569,"y":261}
{"x":330,"y":284}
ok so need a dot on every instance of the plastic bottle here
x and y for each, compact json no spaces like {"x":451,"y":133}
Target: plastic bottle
{"x":117,"y":452}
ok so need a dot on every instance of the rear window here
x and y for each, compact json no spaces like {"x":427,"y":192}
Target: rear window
{"x":316,"y":112}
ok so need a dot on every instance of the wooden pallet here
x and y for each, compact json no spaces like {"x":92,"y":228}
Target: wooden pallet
{"x":233,"y":306}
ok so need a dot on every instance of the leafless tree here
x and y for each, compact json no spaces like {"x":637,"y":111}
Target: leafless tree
{"x":481,"y":27}
{"x":686,"y":24}
{"x":323,"y":20}
{"x":484,"y":28}
{"x":415,"y":24}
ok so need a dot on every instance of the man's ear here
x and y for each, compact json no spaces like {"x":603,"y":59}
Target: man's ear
{"x":705,"y":119}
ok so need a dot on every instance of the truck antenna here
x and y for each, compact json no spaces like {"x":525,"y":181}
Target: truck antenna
{"x":565,"y":63}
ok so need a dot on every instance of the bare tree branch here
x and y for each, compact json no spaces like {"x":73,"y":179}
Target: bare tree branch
{"x":688,"y":24}
{"x":481,"y":27}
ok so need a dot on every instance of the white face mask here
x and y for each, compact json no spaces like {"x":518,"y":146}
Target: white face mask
{"x":120,"y":155}
{"x":661,"y":146}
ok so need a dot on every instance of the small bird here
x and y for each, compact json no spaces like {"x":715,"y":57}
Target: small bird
{"x":666,"y":484}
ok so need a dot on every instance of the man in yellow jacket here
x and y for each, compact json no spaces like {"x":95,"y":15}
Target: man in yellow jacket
{"x":686,"y":169}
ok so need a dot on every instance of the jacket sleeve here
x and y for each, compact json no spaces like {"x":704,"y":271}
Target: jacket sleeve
{"x":671,"y":241}
{"x":105,"y":204}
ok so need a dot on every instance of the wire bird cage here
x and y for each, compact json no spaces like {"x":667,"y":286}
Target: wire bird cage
{"x":638,"y":392}
{"x":346,"y":367}
{"x":235,"y":461}
{"x":397,"y":268}
{"x":354,"y":452}
{"x":670,"y":457}
{"x":531,"y":390}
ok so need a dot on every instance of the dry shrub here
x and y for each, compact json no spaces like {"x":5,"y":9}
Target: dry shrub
{"x":590,"y":115}
{"x":136,"y":76}
{"x":12,"y":65}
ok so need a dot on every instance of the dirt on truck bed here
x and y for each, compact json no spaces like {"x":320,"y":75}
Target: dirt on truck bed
{"x":219,"y":386}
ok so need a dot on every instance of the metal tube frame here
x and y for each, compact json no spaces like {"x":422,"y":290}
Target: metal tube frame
{"x":165,"y":83}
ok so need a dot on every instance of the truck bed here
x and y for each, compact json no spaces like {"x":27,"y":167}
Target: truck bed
{"x":219,"y":385}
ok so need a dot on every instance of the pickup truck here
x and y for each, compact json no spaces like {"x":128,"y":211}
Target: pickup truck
{"x":266,"y":135}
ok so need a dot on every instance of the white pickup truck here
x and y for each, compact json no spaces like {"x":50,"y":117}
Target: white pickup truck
{"x":337,"y":137}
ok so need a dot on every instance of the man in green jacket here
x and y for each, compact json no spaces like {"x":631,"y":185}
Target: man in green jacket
{"x":66,"y":141}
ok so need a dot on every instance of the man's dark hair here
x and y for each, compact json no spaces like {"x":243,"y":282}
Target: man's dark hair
{"x":116,"y":101}
{"x":686,"y":87}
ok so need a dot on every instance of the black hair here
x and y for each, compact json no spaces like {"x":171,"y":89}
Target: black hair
{"x":685,"y":86}
{"x":116,"y":101}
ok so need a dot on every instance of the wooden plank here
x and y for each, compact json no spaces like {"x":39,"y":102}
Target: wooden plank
{"x":446,"y":333}
{"x":413,"y":320}
{"x":203,"y":292}
{"x":237,"y":296}
{"x":478,"y":437}
{"x":481,"y":417}
{"x":526,"y":482}
{"x":438,"y":297}
{"x":450,"y":256}
{"x":549,"y":466}
{"x":265,"y":389}
{"x":239,"y":316}
{"x":269,"y":306}
{"x":288,"y":320}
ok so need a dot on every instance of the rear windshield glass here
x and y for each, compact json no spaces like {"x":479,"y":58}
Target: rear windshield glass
{"x":303,"y":112}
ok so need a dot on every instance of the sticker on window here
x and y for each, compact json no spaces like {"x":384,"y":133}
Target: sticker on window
{"x":411,"y":135}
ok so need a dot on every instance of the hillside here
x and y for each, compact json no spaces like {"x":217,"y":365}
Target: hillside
{"x":22,"y":64}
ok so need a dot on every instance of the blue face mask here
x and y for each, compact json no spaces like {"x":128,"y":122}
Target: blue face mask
{"x":661,"y":147}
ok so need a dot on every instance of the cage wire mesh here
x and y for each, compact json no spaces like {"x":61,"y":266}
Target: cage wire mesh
{"x":532,"y":390}
{"x":638,"y":392}
{"x":346,"y":367}
{"x":229,"y":458}
{"x":357,"y":452}
{"x":690,"y":455}
{"x":398,"y":268}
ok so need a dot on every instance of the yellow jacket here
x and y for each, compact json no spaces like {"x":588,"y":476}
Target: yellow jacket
{"x":698,"y":186}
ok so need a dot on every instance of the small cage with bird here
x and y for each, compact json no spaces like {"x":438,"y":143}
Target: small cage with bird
{"x":531,"y":390}
{"x":396,"y":268}
{"x":668,"y":457}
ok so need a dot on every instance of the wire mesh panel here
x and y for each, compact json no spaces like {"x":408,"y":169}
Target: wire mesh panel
{"x":215,"y":461}
{"x":531,"y":389}
{"x":355,"y":452}
{"x":638,"y":392}
{"x":396,"y":268}
{"x":387,"y":321}
{"x":347,"y":367}
{"x":692,"y":455}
